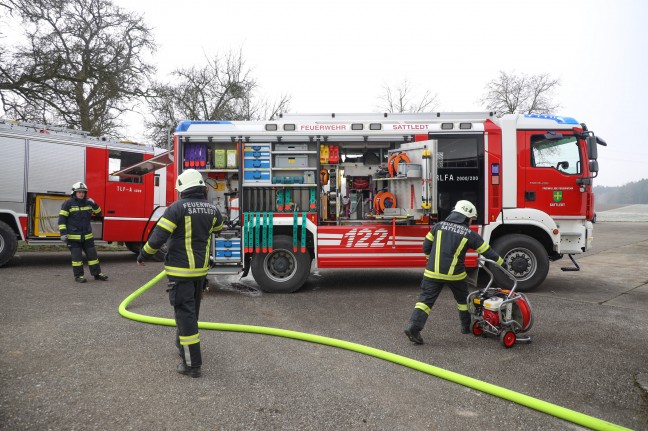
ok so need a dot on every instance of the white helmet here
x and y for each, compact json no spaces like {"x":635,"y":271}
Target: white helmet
{"x":188,"y":179}
{"x":466,"y":208}
{"x":79,"y":187}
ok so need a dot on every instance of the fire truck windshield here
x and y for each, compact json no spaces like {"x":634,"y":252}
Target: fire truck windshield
{"x":561,"y":154}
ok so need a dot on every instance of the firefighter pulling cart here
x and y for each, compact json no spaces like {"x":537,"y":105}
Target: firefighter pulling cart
{"x":502,"y":313}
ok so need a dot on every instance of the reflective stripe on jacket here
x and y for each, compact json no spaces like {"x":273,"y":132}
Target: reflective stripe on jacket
{"x":446,"y":246}
{"x":188,"y":225}
{"x":74,"y":218}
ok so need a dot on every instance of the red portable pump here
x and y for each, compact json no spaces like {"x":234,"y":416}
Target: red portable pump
{"x":503,"y":313}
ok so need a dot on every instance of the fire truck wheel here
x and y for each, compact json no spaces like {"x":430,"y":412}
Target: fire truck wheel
{"x":135,"y":247}
{"x":507,"y":339}
{"x":282,"y":270}
{"x":525,"y":258}
{"x":8,"y":243}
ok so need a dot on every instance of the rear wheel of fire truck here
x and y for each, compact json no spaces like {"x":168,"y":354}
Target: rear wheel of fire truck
{"x":135,"y":247}
{"x":8,"y":243}
{"x":282,"y":270}
{"x":525,"y":258}
{"x":476,"y":328}
{"x":507,"y":338}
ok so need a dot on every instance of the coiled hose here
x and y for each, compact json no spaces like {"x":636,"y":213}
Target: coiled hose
{"x":516,"y":397}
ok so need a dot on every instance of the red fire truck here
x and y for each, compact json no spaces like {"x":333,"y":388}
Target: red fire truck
{"x":362,"y":190}
{"x":38,"y":166}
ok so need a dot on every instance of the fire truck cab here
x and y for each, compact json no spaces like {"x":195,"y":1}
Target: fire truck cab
{"x":362,"y":190}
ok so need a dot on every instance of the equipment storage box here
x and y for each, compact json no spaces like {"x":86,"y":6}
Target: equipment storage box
{"x":257,"y":163}
{"x":291,"y":147}
{"x":219,"y":159}
{"x":231,"y":159}
{"x":282,"y":161}
{"x":228,"y":249}
{"x":257,"y":176}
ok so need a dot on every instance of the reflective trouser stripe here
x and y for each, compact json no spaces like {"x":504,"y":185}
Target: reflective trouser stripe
{"x":186,"y":340}
{"x":77,"y":263}
{"x":93,"y":262}
{"x":423,"y":307}
{"x":462,"y":307}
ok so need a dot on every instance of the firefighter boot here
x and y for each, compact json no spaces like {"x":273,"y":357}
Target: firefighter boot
{"x":101,"y":276}
{"x":80,"y":279}
{"x":464,"y":316}
{"x":415,"y":325}
{"x":194,"y":372}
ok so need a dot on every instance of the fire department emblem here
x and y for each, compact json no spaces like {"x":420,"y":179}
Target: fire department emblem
{"x":557,"y":195}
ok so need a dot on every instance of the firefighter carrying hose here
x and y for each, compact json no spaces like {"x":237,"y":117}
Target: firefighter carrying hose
{"x":189,"y":223}
{"x":76,"y":231}
{"x":445,"y":246}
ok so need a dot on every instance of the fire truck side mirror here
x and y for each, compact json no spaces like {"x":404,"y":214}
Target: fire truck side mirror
{"x":592,"y":150}
{"x":593,"y":166}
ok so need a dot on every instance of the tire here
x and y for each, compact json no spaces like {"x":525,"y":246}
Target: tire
{"x":507,"y":338}
{"x":8,"y":243}
{"x":135,"y":247}
{"x":282,"y":270}
{"x":525,"y":258}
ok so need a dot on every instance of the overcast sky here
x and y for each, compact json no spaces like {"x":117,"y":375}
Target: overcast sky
{"x":336,"y":55}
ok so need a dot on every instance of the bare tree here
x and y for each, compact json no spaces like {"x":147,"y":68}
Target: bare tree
{"x":404,"y":99}
{"x":511,"y":93}
{"x":223,"y":89}
{"x":82,"y":64}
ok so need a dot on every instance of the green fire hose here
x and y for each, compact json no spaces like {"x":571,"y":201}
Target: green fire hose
{"x":516,"y":397}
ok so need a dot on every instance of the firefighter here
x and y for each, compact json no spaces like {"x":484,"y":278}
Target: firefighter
{"x":445,"y":247}
{"x":76,"y":232}
{"x":189,"y":222}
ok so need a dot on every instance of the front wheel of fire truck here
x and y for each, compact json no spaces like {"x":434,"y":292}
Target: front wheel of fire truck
{"x":525,"y":258}
{"x":8,"y":243}
{"x":282,"y":270}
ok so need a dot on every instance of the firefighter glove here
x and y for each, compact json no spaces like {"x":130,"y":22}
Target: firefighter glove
{"x":64,"y":238}
{"x":140,"y":258}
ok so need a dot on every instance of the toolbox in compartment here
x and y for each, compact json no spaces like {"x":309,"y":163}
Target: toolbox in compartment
{"x":250,"y":148}
{"x":227,"y":249}
{"x":282,"y":161}
{"x":257,"y":163}
{"x":291,"y":147}
{"x":258,"y":176}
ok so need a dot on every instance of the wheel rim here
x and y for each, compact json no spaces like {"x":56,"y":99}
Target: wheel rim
{"x":521,"y":262}
{"x":280,"y":265}
{"x":509,"y":339}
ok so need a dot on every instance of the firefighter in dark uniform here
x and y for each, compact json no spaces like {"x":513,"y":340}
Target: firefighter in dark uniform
{"x":445,"y":246}
{"x":188,"y":225}
{"x":76,"y":231}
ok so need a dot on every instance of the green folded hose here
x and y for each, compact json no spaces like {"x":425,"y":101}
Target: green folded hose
{"x":516,"y":397}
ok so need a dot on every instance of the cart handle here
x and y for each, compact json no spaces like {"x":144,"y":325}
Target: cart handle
{"x":481,"y":261}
